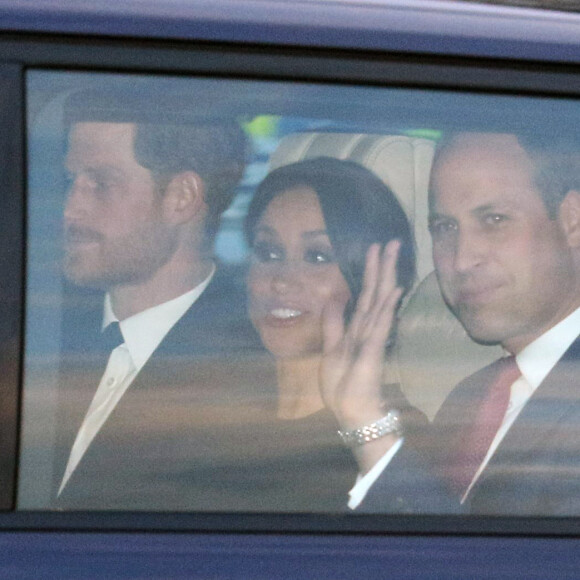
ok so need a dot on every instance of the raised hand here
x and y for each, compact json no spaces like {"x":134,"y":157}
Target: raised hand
{"x":352,"y":365}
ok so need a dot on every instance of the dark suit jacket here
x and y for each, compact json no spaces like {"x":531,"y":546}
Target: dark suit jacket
{"x":534,"y":471}
{"x":180,"y":436}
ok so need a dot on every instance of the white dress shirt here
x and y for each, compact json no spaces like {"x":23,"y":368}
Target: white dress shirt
{"x":142,"y":334}
{"x":535,"y":361}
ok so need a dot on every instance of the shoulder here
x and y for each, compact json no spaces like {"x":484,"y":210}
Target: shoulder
{"x":218,"y":320}
{"x":226,"y":290}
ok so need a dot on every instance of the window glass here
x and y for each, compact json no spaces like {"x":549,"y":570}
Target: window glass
{"x":209,"y":302}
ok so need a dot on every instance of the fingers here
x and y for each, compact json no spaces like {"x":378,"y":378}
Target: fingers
{"x":332,"y":326}
{"x":353,"y":363}
{"x":372,"y":319}
{"x":388,"y":273}
{"x":366,"y":298}
{"x":370,"y":279}
{"x":384,"y":320}
{"x":379,"y":284}
{"x":380,"y":276}
{"x":374,"y":324}
{"x":387,"y":299}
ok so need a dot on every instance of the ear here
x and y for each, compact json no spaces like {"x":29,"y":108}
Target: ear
{"x":570,"y":218}
{"x":184,"y":198}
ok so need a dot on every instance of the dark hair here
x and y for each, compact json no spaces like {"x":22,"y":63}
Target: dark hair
{"x":172,"y":137}
{"x":358,"y":209}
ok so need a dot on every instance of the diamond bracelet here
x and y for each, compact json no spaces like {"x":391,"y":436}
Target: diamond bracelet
{"x":390,"y":423}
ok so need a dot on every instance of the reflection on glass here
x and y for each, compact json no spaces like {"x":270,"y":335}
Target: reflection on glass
{"x":138,"y":189}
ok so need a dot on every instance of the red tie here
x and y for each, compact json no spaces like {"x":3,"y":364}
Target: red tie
{"x":475,"y":439}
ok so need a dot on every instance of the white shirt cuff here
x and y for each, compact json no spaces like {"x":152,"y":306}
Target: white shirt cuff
{"x":365,"y":482}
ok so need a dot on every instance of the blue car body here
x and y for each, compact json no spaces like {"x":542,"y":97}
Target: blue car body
{"x":435,"y":36}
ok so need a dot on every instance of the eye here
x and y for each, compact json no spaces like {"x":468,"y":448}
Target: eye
{"x":102,"y":181}
{"x":102,"y":185}
{"x":265,"y":252}
{"x":319,"y":256}
{"x":494,"y":219}
{"x":441,"y":228}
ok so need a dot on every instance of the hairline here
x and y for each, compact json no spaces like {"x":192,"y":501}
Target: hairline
{"x":549,"y":199}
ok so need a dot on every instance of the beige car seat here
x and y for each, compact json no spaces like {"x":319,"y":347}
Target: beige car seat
{"x":433,"y":352}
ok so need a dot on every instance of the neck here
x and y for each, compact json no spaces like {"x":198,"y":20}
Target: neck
{"x":516,"y":344}
{"x":169,"y":282}
{"x":298,"y":387}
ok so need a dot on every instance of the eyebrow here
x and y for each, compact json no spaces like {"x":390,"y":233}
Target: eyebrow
{"x":481,"y":209}
{"x":485,"y":208}
{"x":499,"y":206}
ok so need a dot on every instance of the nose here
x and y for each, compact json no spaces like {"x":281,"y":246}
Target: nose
{"x":469,"y":251}
{"x":76,"y":205}
{"x":287,"y":278}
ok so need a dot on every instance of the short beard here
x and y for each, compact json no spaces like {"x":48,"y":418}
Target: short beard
{"x":130,"y":260}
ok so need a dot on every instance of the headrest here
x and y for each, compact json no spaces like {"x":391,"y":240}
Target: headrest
{"x":432,"y":349}
{"x":403,"y":163}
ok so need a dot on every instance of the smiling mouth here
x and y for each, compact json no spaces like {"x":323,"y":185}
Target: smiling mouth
{"x":285,"y":313}
{"x":283,"y":316}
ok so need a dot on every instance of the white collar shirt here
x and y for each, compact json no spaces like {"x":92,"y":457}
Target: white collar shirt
{"x":142,"y":334}
{"x":144,"y":331}
{"x":535,"y":361}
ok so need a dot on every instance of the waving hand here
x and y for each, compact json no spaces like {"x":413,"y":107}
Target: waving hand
{"x":352,"y":366}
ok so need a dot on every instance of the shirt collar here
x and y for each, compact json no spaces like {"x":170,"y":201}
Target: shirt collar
{"x":538,"y":358}
{"x":144,"y":331}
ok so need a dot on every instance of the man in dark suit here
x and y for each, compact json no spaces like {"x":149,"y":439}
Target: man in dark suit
{"x":156,"y":422}
{"x":505,"y":223}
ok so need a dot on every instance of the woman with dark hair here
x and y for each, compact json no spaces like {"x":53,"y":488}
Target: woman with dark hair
{"x":327,"y":237}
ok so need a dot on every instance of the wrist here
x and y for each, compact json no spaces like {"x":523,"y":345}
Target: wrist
{"x":389,"y":424}
{"x":355,"y":414}
{"x":368,"y":455}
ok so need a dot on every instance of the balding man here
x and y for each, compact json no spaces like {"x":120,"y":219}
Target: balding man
{"x":505,"y":224}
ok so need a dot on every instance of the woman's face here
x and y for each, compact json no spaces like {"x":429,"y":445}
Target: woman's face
{"x":293,"y":275}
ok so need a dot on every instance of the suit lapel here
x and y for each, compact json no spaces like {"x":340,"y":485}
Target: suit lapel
{"x":168,"y":414}
{"x":550,"y":404}
{"x":460,"y":409}
{"x":81,"y":369}
{"x":172,"y":365}
{"x":216,"y":325}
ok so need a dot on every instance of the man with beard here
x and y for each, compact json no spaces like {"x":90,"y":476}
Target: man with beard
{"x":145,"y":426}
{"x":505,"y":225}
